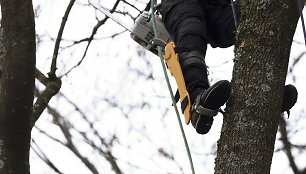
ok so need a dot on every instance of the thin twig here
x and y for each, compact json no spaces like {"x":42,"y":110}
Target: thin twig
{"x":43,"y":157}
{"x":63,"y":125}
{"x":87,"y":39}
{"x":131,"y":5}
{"x":59,"y":38}
{"x":108,"y":154}
{"x":296,"y":60}
{"x":287,"y":144}
{"x":51,"y":137}
{"x":94,"y":31}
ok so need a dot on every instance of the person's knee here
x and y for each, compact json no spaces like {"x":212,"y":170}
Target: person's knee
{"x":176,"y":10}
{"x":167,"y":6}
{"x":223,"y":34}
{"x":183,"y":17}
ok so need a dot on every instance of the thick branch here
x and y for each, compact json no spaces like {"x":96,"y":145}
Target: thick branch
{"x":52,"y":87}
{"x":41,"y":77}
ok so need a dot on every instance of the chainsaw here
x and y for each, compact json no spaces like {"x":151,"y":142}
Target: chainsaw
{"x":142,"y":30}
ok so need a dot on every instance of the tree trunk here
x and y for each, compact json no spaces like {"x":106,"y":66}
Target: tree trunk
{"x":17,"y":83}
{"x":264,"y":39}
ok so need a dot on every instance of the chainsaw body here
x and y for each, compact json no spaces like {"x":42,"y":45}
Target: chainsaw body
{"x":142,"y":32}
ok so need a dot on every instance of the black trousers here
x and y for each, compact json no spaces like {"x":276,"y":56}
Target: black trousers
{"x":208,"y":21}
{"x":192,"y":25}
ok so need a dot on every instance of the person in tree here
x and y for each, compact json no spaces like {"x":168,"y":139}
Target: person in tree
{"x":192,"y":25}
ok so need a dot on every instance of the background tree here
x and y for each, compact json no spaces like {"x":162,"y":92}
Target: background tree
{"x":17,"y":91}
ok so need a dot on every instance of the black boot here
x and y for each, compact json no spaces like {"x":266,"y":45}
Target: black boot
{"x":205,"y":100}
{"x":207,"y":105}
{"x":290,"y":98}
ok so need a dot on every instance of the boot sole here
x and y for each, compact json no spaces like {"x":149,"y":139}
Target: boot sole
{"x":217,"y":94}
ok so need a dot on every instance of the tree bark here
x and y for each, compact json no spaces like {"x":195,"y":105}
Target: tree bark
{"x":262,"y":50}
{"x":17,"y":93}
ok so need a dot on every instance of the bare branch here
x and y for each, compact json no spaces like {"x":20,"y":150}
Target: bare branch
{"x":302,"y":147}
{"x":108,"y":155}
{"x":51,"y":137}
{"x":53,"y":84}
{"x":87,"y":39}
{"x":59,"y":121}
{"x":296,"y":61}
{"x":287,"y":145}
{"x":52,"y":87}
{"x":41,"y":77}
{"x":94,"y":31}
{"x":59,"y":38}
{"x":43,"y":157}
{"x":131,"y":5}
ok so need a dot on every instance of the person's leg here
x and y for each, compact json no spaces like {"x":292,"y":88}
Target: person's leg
{"x":186,"y":22}
{"x":222,"y":24}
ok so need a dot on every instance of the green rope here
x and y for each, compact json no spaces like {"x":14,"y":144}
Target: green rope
{"x":170,"y":88}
